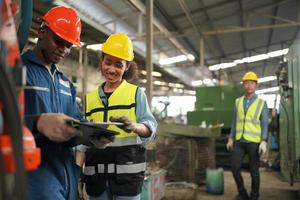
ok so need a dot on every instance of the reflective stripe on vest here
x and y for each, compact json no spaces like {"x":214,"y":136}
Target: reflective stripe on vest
{"x":248,"y":124}
{"x":96,"y":110}
{"x":120,"y":169}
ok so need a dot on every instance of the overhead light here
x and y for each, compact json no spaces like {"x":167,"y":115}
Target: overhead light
{"x":278,"y":53}
{"x":160,"y":83}
{"x":221,"y":66}
{"x":238,"y":61}
{"x":266,"y":90}
{"x":197,"y":83}
{"x":177,"y":90}
{"x":207,"y":81}
{"x":164,"y":88}
{"x":167,"y":61}
{"x":191,"y":92}
{"x":249,"y":59}
{"x":255,"y":58}
{"x":266,"y":79}
{"x":176,"y":85}
{"x":214,"y":67}
{"x":191,"y":57}
{"x":94,"y":47}
{"x":154,"y":73}
{"x":157,"y":74}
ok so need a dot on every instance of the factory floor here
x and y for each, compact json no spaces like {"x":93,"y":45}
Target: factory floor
{"x":272,"y":187}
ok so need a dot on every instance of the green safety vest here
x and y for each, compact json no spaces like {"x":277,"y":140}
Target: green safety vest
{"x":248,"y":124}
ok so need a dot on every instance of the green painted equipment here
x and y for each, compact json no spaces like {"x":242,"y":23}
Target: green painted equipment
{"x":214,"y":105}
{"x":289,"y":80}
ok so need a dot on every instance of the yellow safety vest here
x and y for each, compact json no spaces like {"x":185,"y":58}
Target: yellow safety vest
{"x":122,"y":102}
{"x":248,"y":124}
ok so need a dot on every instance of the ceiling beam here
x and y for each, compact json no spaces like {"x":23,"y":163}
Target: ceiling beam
{"x":285,"y":43}
{"x":199,"y":10}
{"x":174,"y":26}
{"x":247,"y":29}
{"x":275,"y":12}
{"x":242,"y":22}
{"x":217,"y":40}
{"x":196,"y":29}
{"x":261,"y":8}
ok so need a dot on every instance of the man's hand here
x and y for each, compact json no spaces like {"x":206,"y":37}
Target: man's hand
{"x":229,"y":144}
{"x":262,"y":149}
{"x":127,"y":125}
{"x":54,"y":127}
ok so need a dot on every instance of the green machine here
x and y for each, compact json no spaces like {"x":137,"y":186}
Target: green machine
{"x":289,"y":110}
{"x":214,"y":105}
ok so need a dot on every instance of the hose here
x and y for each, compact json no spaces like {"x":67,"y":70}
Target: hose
{"x":13,"y":125}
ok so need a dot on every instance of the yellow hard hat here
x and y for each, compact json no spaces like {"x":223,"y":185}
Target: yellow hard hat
{"x":250,"y":76}
{"x":120,"y":46}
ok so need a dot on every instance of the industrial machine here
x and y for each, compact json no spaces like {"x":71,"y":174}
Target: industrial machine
{"x":289,"y":126}
{"x":18,"y":151}
{"x":214,"y":105}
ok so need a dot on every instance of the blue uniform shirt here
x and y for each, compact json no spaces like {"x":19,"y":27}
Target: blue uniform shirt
{"x":263,"y":119}
{"x":49,"y":91}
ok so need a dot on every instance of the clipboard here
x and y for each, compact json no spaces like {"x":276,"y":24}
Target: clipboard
{"x":91,"y":130}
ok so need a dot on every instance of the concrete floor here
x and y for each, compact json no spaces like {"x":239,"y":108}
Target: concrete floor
{"x":272,"y":188}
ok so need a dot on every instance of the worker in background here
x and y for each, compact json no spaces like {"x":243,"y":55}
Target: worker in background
{"x":117,"y":172}
{"x":49,"y":102}
{"x":249,"y":132}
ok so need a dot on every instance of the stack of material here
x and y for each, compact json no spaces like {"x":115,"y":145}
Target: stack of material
{"x":186,"y":151}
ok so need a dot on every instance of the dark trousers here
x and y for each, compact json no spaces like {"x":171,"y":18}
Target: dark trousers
{"x":239,"y":152}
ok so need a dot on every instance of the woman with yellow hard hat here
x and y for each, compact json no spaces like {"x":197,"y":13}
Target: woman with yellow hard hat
{"x":117,"y":172}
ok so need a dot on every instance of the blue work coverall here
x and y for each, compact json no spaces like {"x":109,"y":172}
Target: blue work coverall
{"x":50,"y":91}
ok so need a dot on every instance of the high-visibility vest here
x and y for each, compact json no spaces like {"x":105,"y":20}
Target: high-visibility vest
{"x":248,"y":123}
{"x":97,"y":111}
{"x":122,"y":164}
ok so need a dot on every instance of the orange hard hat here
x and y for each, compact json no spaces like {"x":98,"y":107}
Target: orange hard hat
{"x":65,"y":23}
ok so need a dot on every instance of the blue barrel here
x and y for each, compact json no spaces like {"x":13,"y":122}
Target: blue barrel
{"x":215,"y":181}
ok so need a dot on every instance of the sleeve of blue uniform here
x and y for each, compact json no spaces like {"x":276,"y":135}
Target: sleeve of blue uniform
{"x":264,"y":122}
{"x":233,"y":123}
{"x":144,"y":114}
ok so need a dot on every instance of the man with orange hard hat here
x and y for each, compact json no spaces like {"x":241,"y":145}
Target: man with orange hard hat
{"x":249,"y":132}
{"x":49,"y":102}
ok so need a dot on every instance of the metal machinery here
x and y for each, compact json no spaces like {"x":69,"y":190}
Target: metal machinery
{"x":289,"y":123}
{"x":215,"y":105}
{"x":18,"y":151}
